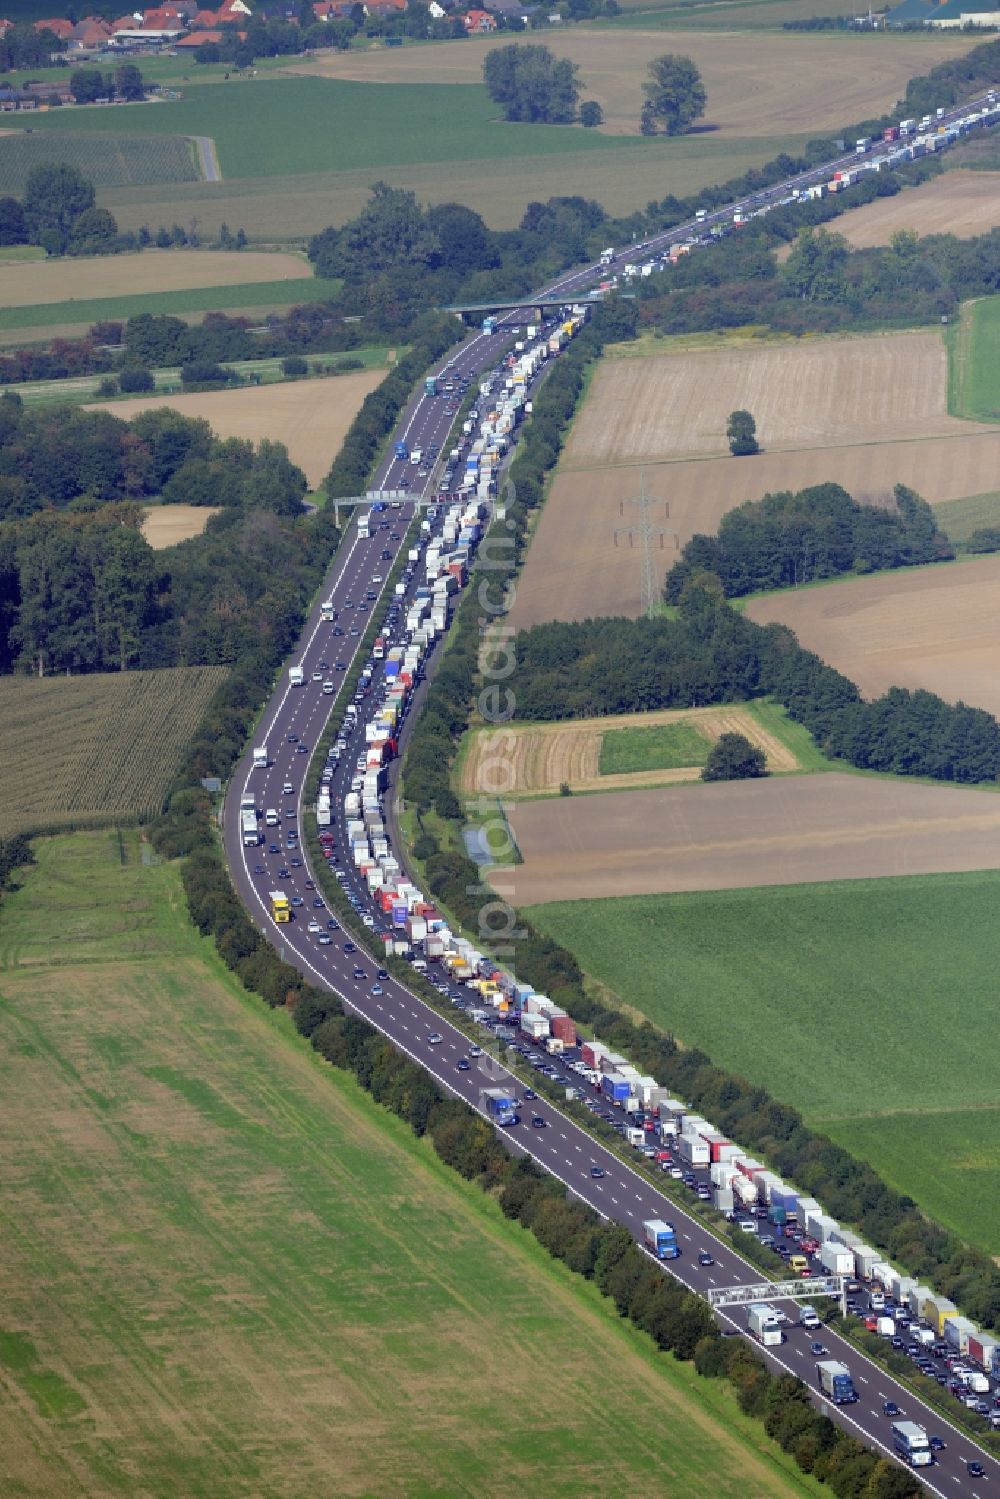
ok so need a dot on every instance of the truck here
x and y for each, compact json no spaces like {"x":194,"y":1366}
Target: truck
{"x":808,"y":1317}
{"x":910,"y":1441}
{"x":365,"y":523}
{"x":499,"y":1105}
{"x":660,"y":1239}
{"x":251,"y":832}
{"x":248,"y":803}
{"x":260,"y":760}
{"x":327,"y":610}
{"x":608,"y":255}
{"x":835,"y":1382}
{"x":489,"y":325}
{"x":280,"y":907}
{"x":378,"y":649}
{"x":763,"y":1324}
{"x":401,"y":451}
{"x":296,"y":676}
{"x":431,"y":385}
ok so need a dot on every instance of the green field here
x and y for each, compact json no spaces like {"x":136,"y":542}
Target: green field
{"x":230,"y":298}
{"x":974,"y":363}
{"x":959,"y":518}
{"x":79,"y":751}
{"x":863,"y":999}
{"x":724,"y":15}
{"x":228,"y":1272}
{"x":663,"y":747}
{"x":108,"y":160}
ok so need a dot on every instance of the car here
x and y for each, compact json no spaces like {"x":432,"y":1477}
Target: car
{"x":302,"y":749}
{"x":284,"y":874}
{"x":463,"y":1064}
{"x":383,"y":973}
{"x":309,"y":885}
{"x":288,"y":789}
{"x":332,"y":925}
{"x":369,"y":922}
{"x":317,"y":676}
{"x":359,"y":972}
{"x":259,"y":869}
{"x":597,"y":1172}
{"x":936,"y":1444}
{"x":818,"y":1350}
{"x":318,"y":902}
{"x":295,"y":863}
{"x":676,"y":1173}
{"x":273,"y":848}
{"x":314,"y":927}
{"x":293,"y":738}
{"x":890,"y":1408}
{"x":349,"y":947}
{"x":529,"y":1094}
{"x":896,"y":1342}
{"x":976,"y":1469}
{"x":704,"y":1258}
{"x":324,"y":939}
{"x":435,"y":1038}
{"x":475,"y":1051}
{"x":297,"y":902}
{"x":376,"y":990}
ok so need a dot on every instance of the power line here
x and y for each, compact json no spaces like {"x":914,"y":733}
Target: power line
{"x":646,"y":533}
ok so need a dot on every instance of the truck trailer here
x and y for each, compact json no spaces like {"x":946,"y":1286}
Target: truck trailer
{"x":836,"y":1383}
{"x":660,"y":1239}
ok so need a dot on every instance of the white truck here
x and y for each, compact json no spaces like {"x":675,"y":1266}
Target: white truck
{"x":296,"y":676}
{"x":251,"y":832}
{"x":808,"y":1317}
{"x":910,"y":1441}
{"x":260,"y":760}
{"x":608,"y":255}
{"x":327,"y":610}
{"x":365,"y":523}
{"x":763,"y":1323}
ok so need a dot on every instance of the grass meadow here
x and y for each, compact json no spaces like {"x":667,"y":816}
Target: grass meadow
{"x":959,"y":518}
{"x":662,"y":747}
{"x":974,"y":347}
{"x":255,"y":1281}
{"x":867,"y":1004}
{"x":252,"y":296}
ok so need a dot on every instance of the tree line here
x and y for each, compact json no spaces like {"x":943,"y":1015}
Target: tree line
{"x":785,"y":540}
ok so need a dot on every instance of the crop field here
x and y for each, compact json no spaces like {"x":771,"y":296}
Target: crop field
{"x":149,"y":272}
{"x":866,"y":413}
{"x":108,"y":160}
{"x":934,"y":627}
{"x":258,"y":1282}
{"x":81,"y":750}
{"x":720,"y":15}
{"x":974,"y":389}
{"x":757,"y":86}
{"x":310,"y":417}
{"x":960,"y":203}
{"x":914,"y":985}
{"x":166,"y":525}
{"x":782,"y":831}
{"x":536,"y":759}
{"x":959,"y":518}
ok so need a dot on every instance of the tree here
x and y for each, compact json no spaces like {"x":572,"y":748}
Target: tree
{"x":675,"y":94}
{"x":135,"y":380}
{"x":529,"y":83}
{"x":13,"y":229}
{"x":591,"y":114}
{"x":734,"y":758}
{"x":128,"y":82}
{"x":742,"y":434}
{"x":54,"y":198}
{"x":87,"y":85}
{"x":93,"y":231}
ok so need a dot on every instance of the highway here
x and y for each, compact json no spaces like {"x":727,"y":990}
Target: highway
{"x":291,"y":725}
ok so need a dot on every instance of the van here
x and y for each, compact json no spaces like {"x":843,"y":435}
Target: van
{"x":877,"y":1301}
{"x":808,"y":1316}
{"x":798,"y":1263}
{"x":271,"y":817}
{"x":748,"y":1225}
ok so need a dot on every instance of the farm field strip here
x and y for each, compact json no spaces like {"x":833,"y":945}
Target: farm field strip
{"x":96,"y":747}
{"x":959,"y":518}
{"x":929,"y":627}
{"x":975,"y":347}
{"x":908,"y":965}
{"x":310,"y":417}
{"x":165,"y":525}
{"x":958,"y":202}
{"x":108,"y":160}
{"x":791,"y":830}
{"x":256,"y":1280}
{"x":538,"y":758}
{"x":149,"y":272}
{"x":252,"y":297}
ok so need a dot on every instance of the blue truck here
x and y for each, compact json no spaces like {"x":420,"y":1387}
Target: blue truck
{"x":489,"y":325}
{"x":836,"y":1383}
{"x":402,"y":451}
{"x":615,"y":1087}
{"x":499,"y":1105}
{"x":660,"y":1239}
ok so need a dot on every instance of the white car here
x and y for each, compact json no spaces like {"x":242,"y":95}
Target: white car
{"x":317,"y":676}
{"x":288,"y":789}
{"x":314,"y":927}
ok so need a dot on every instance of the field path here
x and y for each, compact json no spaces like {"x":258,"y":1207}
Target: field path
{"x":208,"y":158}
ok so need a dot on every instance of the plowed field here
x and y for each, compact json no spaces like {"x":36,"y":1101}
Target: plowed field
{"x":790,"y":831}
{"x":538,"y":758}
{"x":932,"y":627}
{"x":961,"y":203}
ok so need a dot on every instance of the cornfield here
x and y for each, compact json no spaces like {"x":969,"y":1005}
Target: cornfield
{"x":90,"y":750}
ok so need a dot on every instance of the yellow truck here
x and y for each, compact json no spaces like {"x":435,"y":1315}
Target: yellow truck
{"x":280,"y":908}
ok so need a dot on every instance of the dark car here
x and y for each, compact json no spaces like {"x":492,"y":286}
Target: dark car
{"x":529,"y":1095}
{"x":302,"y":749}
{"x":537,"y":1121}
{"x":890,"y":1408}
{"x":936,"y":1444}
{"x":333,"y":926}
{"x":705,"y":1258}
{"x":359,"y":973}
{"x":349,"y":947}
{"x":273,"y":848}
{"x":463,"y":1064}
{"x":596,"y":1172}
{"x":976,"y":1469}
{"x":318,"y":902}
{"x":284,"y":874}
{"x":817,"y":1350}
{"x":259,"y":869}
{"x":383,"y":973}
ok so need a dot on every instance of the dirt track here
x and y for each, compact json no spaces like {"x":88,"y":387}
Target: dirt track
{"x":931,"y":627}
{"x":310,"y":417}
{"x":790,"y":831}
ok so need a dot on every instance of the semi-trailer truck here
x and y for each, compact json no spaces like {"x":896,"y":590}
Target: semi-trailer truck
{"x":763,"y":1324}
{"x":661,"y":1239}
{"x":910,"y":1441}
{"x":836,"y":1383}
{"x":499,"y":1104}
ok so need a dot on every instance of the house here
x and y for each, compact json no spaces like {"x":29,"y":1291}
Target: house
{"x":479,"y":22}
{"x":512,"y":11}
{"x":384,"y":7}
{"x":195,"y":39}
{"x":58,"y":25}
{"x":89,"y":35}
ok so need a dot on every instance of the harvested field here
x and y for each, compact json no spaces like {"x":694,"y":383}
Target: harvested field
{"x":931,"y":627}
{"x":309,"y":416}
{"x":33,"y":283}
{"x":828,"y":392}
{"x":757,"y":85}
{"x":93,"y":749}
{"x":166,"y":525}
{"x":593,"y":576}
{"x":960,"y":203}
{"x":737,"y":834}
{"x":537,"y":758}
{"x":823,"y":410}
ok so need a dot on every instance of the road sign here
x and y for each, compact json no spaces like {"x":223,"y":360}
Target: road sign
{"x":781,"y":1290}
